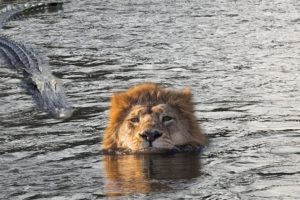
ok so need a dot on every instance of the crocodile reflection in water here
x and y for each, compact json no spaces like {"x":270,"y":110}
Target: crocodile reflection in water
{"x":38,"y":81}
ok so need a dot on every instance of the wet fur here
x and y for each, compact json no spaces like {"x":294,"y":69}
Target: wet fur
{"x":143,"y":100}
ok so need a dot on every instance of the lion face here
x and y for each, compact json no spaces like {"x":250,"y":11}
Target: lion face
{"x":158,"y":126}
{"x":150,"y":117}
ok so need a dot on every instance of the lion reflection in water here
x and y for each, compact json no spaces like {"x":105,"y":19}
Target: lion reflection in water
{"x":128,"y":174}
{"x":149,"y":117}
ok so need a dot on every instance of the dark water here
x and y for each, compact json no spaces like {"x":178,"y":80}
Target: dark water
{"x":241,"y":59}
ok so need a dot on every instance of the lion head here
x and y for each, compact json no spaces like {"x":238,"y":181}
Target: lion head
{"x":149,"y":116}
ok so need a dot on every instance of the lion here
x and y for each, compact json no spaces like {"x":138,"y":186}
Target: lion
{"x":150,"y":117}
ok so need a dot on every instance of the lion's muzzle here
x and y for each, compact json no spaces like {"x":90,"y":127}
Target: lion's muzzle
{"x":150,"y":136}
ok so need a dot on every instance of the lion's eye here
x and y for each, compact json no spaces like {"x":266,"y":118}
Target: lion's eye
{"x":135,"y":120}
{"x":167,"y":118}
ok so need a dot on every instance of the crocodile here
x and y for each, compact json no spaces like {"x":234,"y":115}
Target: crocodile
{"x":38,"y":81}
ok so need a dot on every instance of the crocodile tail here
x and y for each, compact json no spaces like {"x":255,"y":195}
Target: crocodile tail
{"x":16,"y":55}
{"x":11,"y":12}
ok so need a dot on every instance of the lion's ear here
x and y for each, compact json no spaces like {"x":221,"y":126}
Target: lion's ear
{"x":117,"y":99}
{"x":119,"y":103}
{"x":182,"y":99}
{"x":187,"y":93}
{"x":120,"y":100}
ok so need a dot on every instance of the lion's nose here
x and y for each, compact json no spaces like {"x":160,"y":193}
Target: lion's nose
{"x":150,"y":136}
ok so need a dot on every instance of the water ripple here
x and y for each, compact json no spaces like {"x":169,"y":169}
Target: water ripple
{"x":240,"y":58}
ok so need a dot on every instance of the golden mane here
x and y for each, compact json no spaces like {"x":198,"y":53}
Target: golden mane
{"x":149,"y":94}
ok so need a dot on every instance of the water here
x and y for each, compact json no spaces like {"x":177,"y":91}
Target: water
{"x":241,"y":59}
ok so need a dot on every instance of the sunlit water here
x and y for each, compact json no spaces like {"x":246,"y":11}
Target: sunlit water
{"x":241,"y":59}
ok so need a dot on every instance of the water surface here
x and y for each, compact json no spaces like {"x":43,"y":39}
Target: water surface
{"x":241,"y":59}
